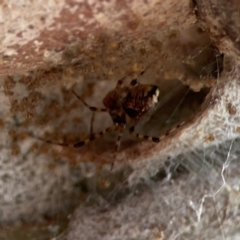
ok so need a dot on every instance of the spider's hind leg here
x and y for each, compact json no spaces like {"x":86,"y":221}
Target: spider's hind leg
{"x":140,"y":136}
{"x":154,"y":139}
{"x":95,"y":136}
{"x":91,"y":123}
{"x":84,"y":142}
{"x":120,"y":129}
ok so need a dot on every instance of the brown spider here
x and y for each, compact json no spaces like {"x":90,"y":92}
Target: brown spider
{"x":135,"y":101}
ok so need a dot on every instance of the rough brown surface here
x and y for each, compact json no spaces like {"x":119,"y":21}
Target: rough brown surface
{"x":39,"y":35}
{"x":47,"y":49}
{"x":222,"y":20}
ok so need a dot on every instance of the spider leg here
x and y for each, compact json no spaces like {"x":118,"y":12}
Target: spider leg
{"x":120,"y":129}
{"x":91,"y":123}
{"x":95,"y":136}
{"x":120,"y":82}
{"x":140,"y":136}
{"x":94,"y":109}
{"x":154,"y":139}
{"x":86,"y":141}
{"x":134,"y":82}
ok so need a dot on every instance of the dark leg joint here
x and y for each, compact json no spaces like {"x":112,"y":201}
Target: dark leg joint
{"x":156,"y":139}
{"x":91,"y":138}
{"x":93,"y":108}
{"x":133,"y":82}
{"x":120,"y":82}
{"x":131,"y":129}
{"x":79,"y":144}
{"x":109,"y":129}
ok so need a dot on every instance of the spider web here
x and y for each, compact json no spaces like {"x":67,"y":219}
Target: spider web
{"x":194,"y":195}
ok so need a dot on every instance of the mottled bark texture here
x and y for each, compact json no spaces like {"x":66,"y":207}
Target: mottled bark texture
{"x":222,"y":20}
{"x":189,"y":49}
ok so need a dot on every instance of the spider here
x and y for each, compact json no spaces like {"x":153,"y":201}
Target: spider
{"x":137,"y":101}
{"x":134,"y":101}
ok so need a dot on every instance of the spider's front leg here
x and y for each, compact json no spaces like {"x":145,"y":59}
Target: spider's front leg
{"x":135,"y":82}
{"x":120,"y":82}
